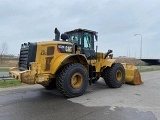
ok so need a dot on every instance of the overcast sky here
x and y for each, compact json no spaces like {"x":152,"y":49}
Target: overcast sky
{"x":116,"y":22}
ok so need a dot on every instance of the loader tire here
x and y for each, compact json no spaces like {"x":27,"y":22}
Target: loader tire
{"x":51,"y":85}
{"x":114,"y":76}
{"x":72,"y":80}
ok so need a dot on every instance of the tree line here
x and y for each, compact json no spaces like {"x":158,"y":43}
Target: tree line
{"x":3,"y":51}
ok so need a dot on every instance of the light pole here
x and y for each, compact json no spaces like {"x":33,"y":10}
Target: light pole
{"x":140,"y":47}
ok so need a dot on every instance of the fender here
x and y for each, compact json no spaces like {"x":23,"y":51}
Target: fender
{"x":108,"y":62}
{"x":103,"y":63}
{"x":66,"y":58}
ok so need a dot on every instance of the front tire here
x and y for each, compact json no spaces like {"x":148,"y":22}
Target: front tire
{"x":114,"y":76}
{"x":72,"y":80}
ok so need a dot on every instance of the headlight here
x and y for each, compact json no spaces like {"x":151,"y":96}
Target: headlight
{"x":65,"y":48}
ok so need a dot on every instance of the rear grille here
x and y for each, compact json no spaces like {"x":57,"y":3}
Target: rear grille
{"x":27,"y":55}
{"x":23,"y":57}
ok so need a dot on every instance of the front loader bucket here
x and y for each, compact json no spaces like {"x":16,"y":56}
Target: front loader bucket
{"x":132,"y":74}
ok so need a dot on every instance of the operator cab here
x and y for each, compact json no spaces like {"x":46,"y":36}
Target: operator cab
{"x":83,"y":39}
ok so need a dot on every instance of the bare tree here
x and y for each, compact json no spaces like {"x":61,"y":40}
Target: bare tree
{"x":3,"y":50}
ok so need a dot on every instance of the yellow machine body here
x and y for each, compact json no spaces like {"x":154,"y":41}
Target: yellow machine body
{"x":46,"y":66}
{"x":47,"y":59}
{"x":47,"y":63}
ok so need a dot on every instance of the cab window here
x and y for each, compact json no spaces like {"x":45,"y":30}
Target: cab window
{"x":75,"y":38}
{"x":87,"y":40}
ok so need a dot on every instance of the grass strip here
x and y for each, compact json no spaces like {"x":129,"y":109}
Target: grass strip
{"x":148,"y":68}
{"x":10,"y":83}
{"x":4,"y":69}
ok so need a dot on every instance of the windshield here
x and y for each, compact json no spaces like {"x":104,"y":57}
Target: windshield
{"x":75,"y":38}
{"x":83,"y":40}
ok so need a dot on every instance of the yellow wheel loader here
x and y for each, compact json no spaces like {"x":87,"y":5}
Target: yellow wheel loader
{"x":70,"y":64}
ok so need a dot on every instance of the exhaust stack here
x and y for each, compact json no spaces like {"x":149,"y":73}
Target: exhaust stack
{"x":57,"y":34}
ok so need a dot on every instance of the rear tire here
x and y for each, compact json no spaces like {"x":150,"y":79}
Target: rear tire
{"x":72,"y":80}
{"x":114,"y":76}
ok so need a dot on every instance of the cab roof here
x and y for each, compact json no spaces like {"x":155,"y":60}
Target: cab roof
{"x":82,"y":30}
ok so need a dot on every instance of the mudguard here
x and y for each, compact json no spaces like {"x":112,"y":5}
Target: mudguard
{"x":108,"y":62}
{"x":67,"y":58}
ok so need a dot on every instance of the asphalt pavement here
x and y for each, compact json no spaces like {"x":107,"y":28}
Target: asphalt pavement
{"x":98,"y":103}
